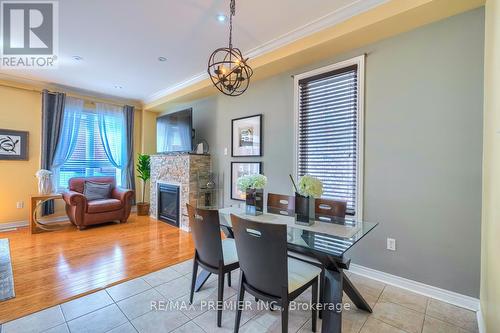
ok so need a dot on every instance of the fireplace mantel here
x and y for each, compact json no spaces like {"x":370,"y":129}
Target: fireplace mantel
{"x":181,"y":170}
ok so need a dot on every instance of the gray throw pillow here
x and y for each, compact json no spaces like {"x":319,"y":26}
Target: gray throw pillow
{"x":96,"y":191}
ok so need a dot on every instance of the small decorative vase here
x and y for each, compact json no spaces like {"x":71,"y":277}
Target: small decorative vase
{"x":254,"y":201}
{"x":304,"y":210}
{"x":45,"y":184}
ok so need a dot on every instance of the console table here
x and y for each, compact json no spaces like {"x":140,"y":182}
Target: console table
{"x":36,"y":201}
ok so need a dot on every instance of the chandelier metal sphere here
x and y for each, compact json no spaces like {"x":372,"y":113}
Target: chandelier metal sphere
{"x":227,"y":67}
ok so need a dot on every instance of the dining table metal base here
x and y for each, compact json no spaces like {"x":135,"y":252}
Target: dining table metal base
{"x":332,"y":300}
{"x":336,"y":282}
{"x":201,"y":279}
{"x":354,"y":294}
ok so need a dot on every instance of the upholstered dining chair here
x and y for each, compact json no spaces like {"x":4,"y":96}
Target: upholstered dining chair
{"x":267,"y":272}
{"x":280,"y":204}
{"x":212,"y":253}
{"x":326,"y":209}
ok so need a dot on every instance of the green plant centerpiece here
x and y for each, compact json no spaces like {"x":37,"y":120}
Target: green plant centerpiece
{"x":143,"y":173}
{"x":306,"y":192}
{"x":253,"y":186}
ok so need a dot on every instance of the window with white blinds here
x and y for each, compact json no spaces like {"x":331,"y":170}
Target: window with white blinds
{"x":329,"y":130}
{"x":89,"y":157}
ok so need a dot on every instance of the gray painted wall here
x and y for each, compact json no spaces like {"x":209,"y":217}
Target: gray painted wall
{"x":423,"y":148}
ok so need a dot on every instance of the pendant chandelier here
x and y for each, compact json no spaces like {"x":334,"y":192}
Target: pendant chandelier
{"x":227,"y":68}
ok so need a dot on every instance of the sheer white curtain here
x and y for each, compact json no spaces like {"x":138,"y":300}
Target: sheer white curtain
{"x":112,"y":132}
{"x":72,"y":115}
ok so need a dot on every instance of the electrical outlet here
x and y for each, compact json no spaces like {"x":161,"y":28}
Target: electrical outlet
{"x":20,"y":204}
{"x":391,"y":244}
{"x":225,"y":151}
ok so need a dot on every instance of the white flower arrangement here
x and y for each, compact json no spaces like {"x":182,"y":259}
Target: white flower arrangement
{"x":251,"y":181}
{"x":310,"y":186}
{"x":43,"y":174}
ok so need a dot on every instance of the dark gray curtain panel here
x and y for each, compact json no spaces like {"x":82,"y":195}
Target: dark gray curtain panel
{"x":52,"y":119}
{"x":129,"y":134}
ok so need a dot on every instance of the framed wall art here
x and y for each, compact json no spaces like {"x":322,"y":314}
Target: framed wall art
{"x":13,"y":145}
{"x":239,"y":169}
{"x":246,"y":136}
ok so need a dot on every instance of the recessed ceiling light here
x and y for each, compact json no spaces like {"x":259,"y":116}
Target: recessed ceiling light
{"x":162,"y":59}
{"x":118,"y":87}
{"x":221,"y":18}
{"x":77,"y":58}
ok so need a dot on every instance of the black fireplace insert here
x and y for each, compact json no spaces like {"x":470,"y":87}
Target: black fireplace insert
{"x":168,"y":204}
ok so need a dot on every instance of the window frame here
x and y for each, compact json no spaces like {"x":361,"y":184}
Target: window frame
{"x":360,"y":62}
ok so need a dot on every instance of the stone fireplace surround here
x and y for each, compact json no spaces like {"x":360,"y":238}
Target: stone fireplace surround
{"x":179,"y":169}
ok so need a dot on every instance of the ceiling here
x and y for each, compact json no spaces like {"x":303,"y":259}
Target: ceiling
{"x":120,"y":41}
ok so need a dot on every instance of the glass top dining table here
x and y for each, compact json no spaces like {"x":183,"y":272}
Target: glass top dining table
{"x":333,"y":237}
{"x":325,"y":242}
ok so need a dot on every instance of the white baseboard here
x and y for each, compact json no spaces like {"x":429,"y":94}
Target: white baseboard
{"x":444,"y":295}
{"x":9,"y":226}
{"x":56,"y":219}
{"x":480,"y":321}
{"x":13,"y":225}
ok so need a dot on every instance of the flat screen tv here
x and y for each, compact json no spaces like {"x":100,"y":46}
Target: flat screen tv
{"x":175,"y":132}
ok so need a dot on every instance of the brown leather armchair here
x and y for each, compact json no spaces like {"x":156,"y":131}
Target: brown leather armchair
{"x":83,"y":213}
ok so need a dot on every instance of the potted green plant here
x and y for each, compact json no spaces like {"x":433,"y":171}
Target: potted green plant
{"x":144,"y":173}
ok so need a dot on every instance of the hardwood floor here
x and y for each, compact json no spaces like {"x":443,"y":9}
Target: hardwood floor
{"x":54,"y":267}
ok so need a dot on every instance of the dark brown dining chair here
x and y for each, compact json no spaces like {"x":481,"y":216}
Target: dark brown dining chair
{"x":327,"y":209}
{"x":266,"y":271}
{"x":280,"y":204}
{"x":212,"y":253}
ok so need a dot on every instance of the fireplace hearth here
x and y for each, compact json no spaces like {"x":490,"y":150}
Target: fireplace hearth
{"x":168,"y":203}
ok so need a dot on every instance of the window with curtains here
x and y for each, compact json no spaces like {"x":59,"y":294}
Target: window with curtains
{"x":330,"y":130}
{"x":91,"y":142}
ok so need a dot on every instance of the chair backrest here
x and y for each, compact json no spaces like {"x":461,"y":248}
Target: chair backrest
{"x":205,"y":228}
{"x":262,"y":253}
{"x":326,"y":209}
{"x":77,"y":184}
{"x":280,"y":204}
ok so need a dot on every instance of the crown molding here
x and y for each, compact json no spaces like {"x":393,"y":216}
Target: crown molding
{"x":338,"y":16}
{"x":38,"y":85}
{"x":176,"y":87}
{"x":326,"y":21}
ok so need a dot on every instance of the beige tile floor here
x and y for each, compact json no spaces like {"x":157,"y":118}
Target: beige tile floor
{"x":127,"y":308}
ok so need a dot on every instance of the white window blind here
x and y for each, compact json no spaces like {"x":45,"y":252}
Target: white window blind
{"x":89,"y":157}
{"x":328,"y":132}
